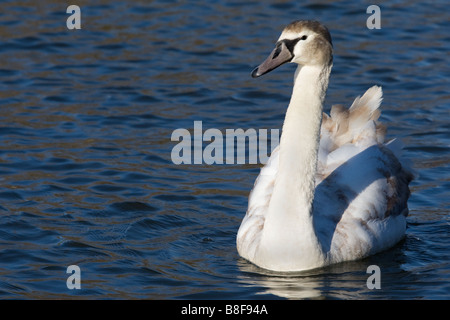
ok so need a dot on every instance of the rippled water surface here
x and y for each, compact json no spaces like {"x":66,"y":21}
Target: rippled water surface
{"x":86,"y":176}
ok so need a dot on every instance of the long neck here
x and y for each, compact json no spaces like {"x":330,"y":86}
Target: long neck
{"x":289,"y":217}
{"x":300,"y":142}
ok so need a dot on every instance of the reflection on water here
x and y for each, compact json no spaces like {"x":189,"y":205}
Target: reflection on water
{"x":291,"y":286}
{"x":342,"y":281}
{"x":86,"y":176}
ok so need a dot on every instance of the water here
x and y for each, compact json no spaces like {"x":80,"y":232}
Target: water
{"x":86,"y":176}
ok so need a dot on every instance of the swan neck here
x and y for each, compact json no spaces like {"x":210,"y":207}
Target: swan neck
{"x":300,"y":140}
{"x":288,"y":229}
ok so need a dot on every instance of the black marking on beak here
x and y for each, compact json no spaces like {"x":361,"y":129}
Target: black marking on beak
{"x":283,"y":53}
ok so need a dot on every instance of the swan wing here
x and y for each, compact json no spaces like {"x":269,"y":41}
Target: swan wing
{"x":249,"y":233}
{"x":360,"y":203}
{"x":344,"y":129}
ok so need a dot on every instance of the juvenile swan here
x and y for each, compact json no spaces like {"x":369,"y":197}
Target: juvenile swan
{"x":333,"y":190}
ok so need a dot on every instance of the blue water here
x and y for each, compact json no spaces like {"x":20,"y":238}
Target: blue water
{"x":86,"y":176}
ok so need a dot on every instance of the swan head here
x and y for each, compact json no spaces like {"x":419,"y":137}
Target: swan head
{"x":304,"y":42}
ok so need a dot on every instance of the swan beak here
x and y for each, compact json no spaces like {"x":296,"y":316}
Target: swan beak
{"x":280,"y":55}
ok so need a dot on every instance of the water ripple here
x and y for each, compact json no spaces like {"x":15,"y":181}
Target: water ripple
{"x":86,"y":175}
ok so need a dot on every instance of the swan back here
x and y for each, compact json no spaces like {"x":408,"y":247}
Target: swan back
{"x":350,"y":129}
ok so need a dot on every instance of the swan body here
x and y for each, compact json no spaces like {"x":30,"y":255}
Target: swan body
{"x":333,"y":190}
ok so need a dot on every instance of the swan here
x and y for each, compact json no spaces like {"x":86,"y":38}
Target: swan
{"x":333,"y":190}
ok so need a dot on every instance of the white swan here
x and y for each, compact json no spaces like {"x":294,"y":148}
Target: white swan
{"x":332,"y":190}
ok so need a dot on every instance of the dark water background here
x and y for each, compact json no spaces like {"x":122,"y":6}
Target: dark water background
{"x":86,"y":176}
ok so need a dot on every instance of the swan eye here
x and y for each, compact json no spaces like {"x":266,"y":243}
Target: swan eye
{"x":304,"y":37}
